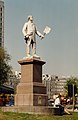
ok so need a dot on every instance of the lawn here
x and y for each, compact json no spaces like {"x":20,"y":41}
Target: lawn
{"x":25,"y":116}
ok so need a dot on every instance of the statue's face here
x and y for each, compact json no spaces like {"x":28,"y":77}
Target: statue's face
{"x":31,"y":18}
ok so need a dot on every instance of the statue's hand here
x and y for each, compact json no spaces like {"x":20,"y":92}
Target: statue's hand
{"x":42,"y":36}
{"x":26,"y":38}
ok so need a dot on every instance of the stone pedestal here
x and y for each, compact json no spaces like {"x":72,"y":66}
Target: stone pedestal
{"x":30,"y":90}
{"x":31,"y":94}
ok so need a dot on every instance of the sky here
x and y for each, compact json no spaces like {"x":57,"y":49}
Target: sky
{"x":59,"y":48}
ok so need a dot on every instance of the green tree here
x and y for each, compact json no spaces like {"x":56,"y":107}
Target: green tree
{"x":5,"y":68}
{"x":72,"y":80}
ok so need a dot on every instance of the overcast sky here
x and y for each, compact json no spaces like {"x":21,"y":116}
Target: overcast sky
{"x":59,"y":48}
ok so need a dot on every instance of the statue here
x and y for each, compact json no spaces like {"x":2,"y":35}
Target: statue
{"x":30,"y":31}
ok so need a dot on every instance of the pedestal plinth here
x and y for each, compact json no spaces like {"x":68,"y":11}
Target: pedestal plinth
{"x":30,"y":90}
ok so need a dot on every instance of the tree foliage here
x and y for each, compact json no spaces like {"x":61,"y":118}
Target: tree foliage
{"x":5,"y":68}
{"x":72,"y":80}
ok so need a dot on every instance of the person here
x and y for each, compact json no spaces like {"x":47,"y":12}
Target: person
{"x":30,"y":31}
{"x":57,"y":101}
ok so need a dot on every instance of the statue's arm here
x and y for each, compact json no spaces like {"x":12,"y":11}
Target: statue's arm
{"x":24,"y":30}
{"x":39,"y":34}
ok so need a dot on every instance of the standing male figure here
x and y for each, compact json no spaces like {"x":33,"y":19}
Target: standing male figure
{"x":29,"y":30}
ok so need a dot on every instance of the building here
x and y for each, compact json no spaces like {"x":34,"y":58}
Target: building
{"x":60,"y":85}
{"x":54,"y":84}
{"x":1,"y":23}
{"x":14,"y":79}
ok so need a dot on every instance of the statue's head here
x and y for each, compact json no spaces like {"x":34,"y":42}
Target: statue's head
{"x":30,"y":17}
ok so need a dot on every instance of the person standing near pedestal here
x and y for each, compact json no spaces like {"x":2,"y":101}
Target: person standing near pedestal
{"x":29,"y":31}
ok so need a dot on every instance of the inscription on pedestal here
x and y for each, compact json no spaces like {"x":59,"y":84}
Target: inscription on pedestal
{"x":39,"y":100}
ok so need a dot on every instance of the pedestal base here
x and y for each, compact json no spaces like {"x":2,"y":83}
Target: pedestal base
{"x":30,"y":91}
{"x":29,"y":109}
{"x":31,"y":94}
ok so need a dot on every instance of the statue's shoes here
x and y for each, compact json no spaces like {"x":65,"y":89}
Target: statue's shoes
{"x":28,"y":56}
{"x":36,"y":56}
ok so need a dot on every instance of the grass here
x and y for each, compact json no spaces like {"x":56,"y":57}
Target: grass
{"x":25,"y":116}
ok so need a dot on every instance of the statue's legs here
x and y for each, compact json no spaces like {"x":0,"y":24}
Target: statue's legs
{"x":34,"y":48}
{"x":31,"y":45}
{"x":28,"y":48}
